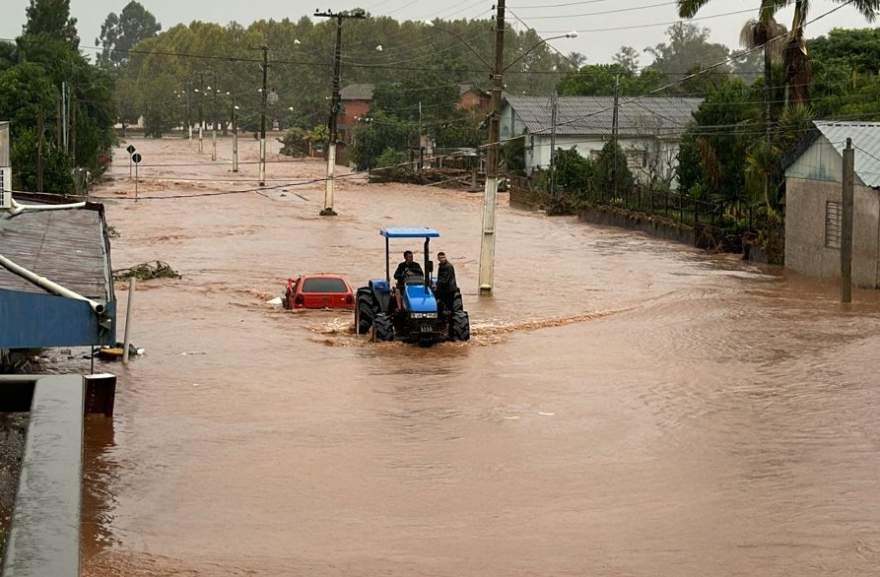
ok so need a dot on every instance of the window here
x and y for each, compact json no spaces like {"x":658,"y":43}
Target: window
{"x":324,"y":285}
{"x":832,"y":224}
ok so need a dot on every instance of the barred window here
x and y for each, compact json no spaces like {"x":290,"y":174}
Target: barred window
{"x":832,"y":224}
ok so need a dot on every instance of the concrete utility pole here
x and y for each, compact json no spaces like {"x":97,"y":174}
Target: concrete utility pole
{"x":554,"y":106}
{"x":214,"y":122}
{"x":846,"y":222}
{"x":330,"y":183}
{"x":201,"y":108}
{"x":40,"y":138}
{"x":234,"y":136}
{"x":64,"y":112}
{"x":487,"y":245}
{"x":265,"y":95}
{"x":615,"y":123}
{"x":189,"y":128}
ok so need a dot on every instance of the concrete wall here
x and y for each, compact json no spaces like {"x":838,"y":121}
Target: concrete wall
{"x":805,"y":249}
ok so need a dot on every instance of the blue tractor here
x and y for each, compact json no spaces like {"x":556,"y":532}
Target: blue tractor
{"x":409,"y":312}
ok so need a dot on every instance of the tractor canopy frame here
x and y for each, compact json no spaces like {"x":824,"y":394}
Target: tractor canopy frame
{"x":414,"y":232}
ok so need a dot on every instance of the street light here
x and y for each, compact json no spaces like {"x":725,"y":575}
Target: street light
{"x":572,"y":34}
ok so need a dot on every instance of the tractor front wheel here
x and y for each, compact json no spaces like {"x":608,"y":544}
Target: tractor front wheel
{"x":383,"y":329}
{"x":460,"y":326}
{"x":365,"y":311}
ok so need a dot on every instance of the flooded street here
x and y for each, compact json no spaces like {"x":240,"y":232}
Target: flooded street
{"x":627,"y":406}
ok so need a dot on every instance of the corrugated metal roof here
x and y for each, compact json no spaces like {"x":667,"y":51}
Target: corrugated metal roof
{"x":357,"y":92}
{"x":65,"y":246}
{"x":866,"y":140}
{"x":581,"y":115}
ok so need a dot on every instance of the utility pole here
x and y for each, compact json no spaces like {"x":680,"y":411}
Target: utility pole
{"x":487,"y":244}
{"x":330,"y":183}
{"x":614,"y":131}
{"x":265,"y":100}
{"x":40,"y":137}
{"x":214,"y":122}
{"x":189,"y":127}
{"x":72,"y":130}
{"x":421,"y":150}
{"x":554,"y":107}
{"x":846,"y":222}
{"x":201,"y":107}
{"x":64,"y":111}
{"x":234,"y":137}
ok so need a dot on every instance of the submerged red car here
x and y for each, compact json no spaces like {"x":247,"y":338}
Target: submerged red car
{"x":318,"y":291}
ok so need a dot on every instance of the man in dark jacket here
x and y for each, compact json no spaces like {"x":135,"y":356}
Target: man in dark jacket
{"x":406,"y":269}
{"x":446,"y":285}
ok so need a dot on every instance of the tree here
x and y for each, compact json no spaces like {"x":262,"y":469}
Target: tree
{"x":599,"y":80}
{"x":795,"y":55}
{"x":686,"y":50}
{"x":159,"y":104}
{"x":121,"y":33}
{"x":26,"y":96}
{"x":611,"y":173}
{"x":574,"y":173}
{"x":373,"y":135}
{"x":628,"y":59}
{"x":51,"y":18}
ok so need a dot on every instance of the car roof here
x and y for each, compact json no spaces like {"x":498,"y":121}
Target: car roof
{"x":321,"y":275}
{"x":409,"y":232}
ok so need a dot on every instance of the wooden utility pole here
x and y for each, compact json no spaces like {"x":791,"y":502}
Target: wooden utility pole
{"x":329,"y":184}
{"x":846,"y":221}
{"x":487,"y":245}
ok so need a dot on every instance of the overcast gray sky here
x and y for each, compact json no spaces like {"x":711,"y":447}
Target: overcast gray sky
{"x":597,"y":40}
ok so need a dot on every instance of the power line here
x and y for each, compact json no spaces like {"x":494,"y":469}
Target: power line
{"x":604,"y":12}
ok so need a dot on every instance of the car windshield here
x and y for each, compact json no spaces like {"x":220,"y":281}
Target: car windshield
{"x":324,"y":285}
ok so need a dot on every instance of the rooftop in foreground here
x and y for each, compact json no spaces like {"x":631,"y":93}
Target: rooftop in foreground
{"x":67,"y":247}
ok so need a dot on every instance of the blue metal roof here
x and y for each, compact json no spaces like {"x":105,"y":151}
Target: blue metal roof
{"x":865,"y":138}
{"x":410,"y":232}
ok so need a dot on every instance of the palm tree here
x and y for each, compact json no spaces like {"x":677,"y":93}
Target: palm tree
{"x":798,"y":73}
{"x":765,"y":31}
{"x":756,"y":32}
{"x":795,"y":56}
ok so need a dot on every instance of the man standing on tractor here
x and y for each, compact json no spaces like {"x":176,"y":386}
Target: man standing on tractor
{"x":406,"y":269}
{"x":446,"y":285}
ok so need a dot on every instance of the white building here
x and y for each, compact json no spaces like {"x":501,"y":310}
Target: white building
{"x":649,"y":129}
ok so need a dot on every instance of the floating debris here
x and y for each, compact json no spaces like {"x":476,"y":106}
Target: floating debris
{"x":146,"y":271}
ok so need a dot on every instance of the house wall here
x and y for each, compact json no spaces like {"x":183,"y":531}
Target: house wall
{"x":805,"y":249}
{"x":473,"y":99}
{"x":645,"y":156}
{"x":352,"y":109}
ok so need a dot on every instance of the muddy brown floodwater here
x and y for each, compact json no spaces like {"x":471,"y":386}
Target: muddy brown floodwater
{"x":627,"y":407}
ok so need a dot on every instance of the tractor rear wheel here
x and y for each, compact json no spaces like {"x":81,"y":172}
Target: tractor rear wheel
{"x":457,"y":304}
{"x":383,"y":329}
{"x":365,"y":311}
{"x":460,"y":326}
